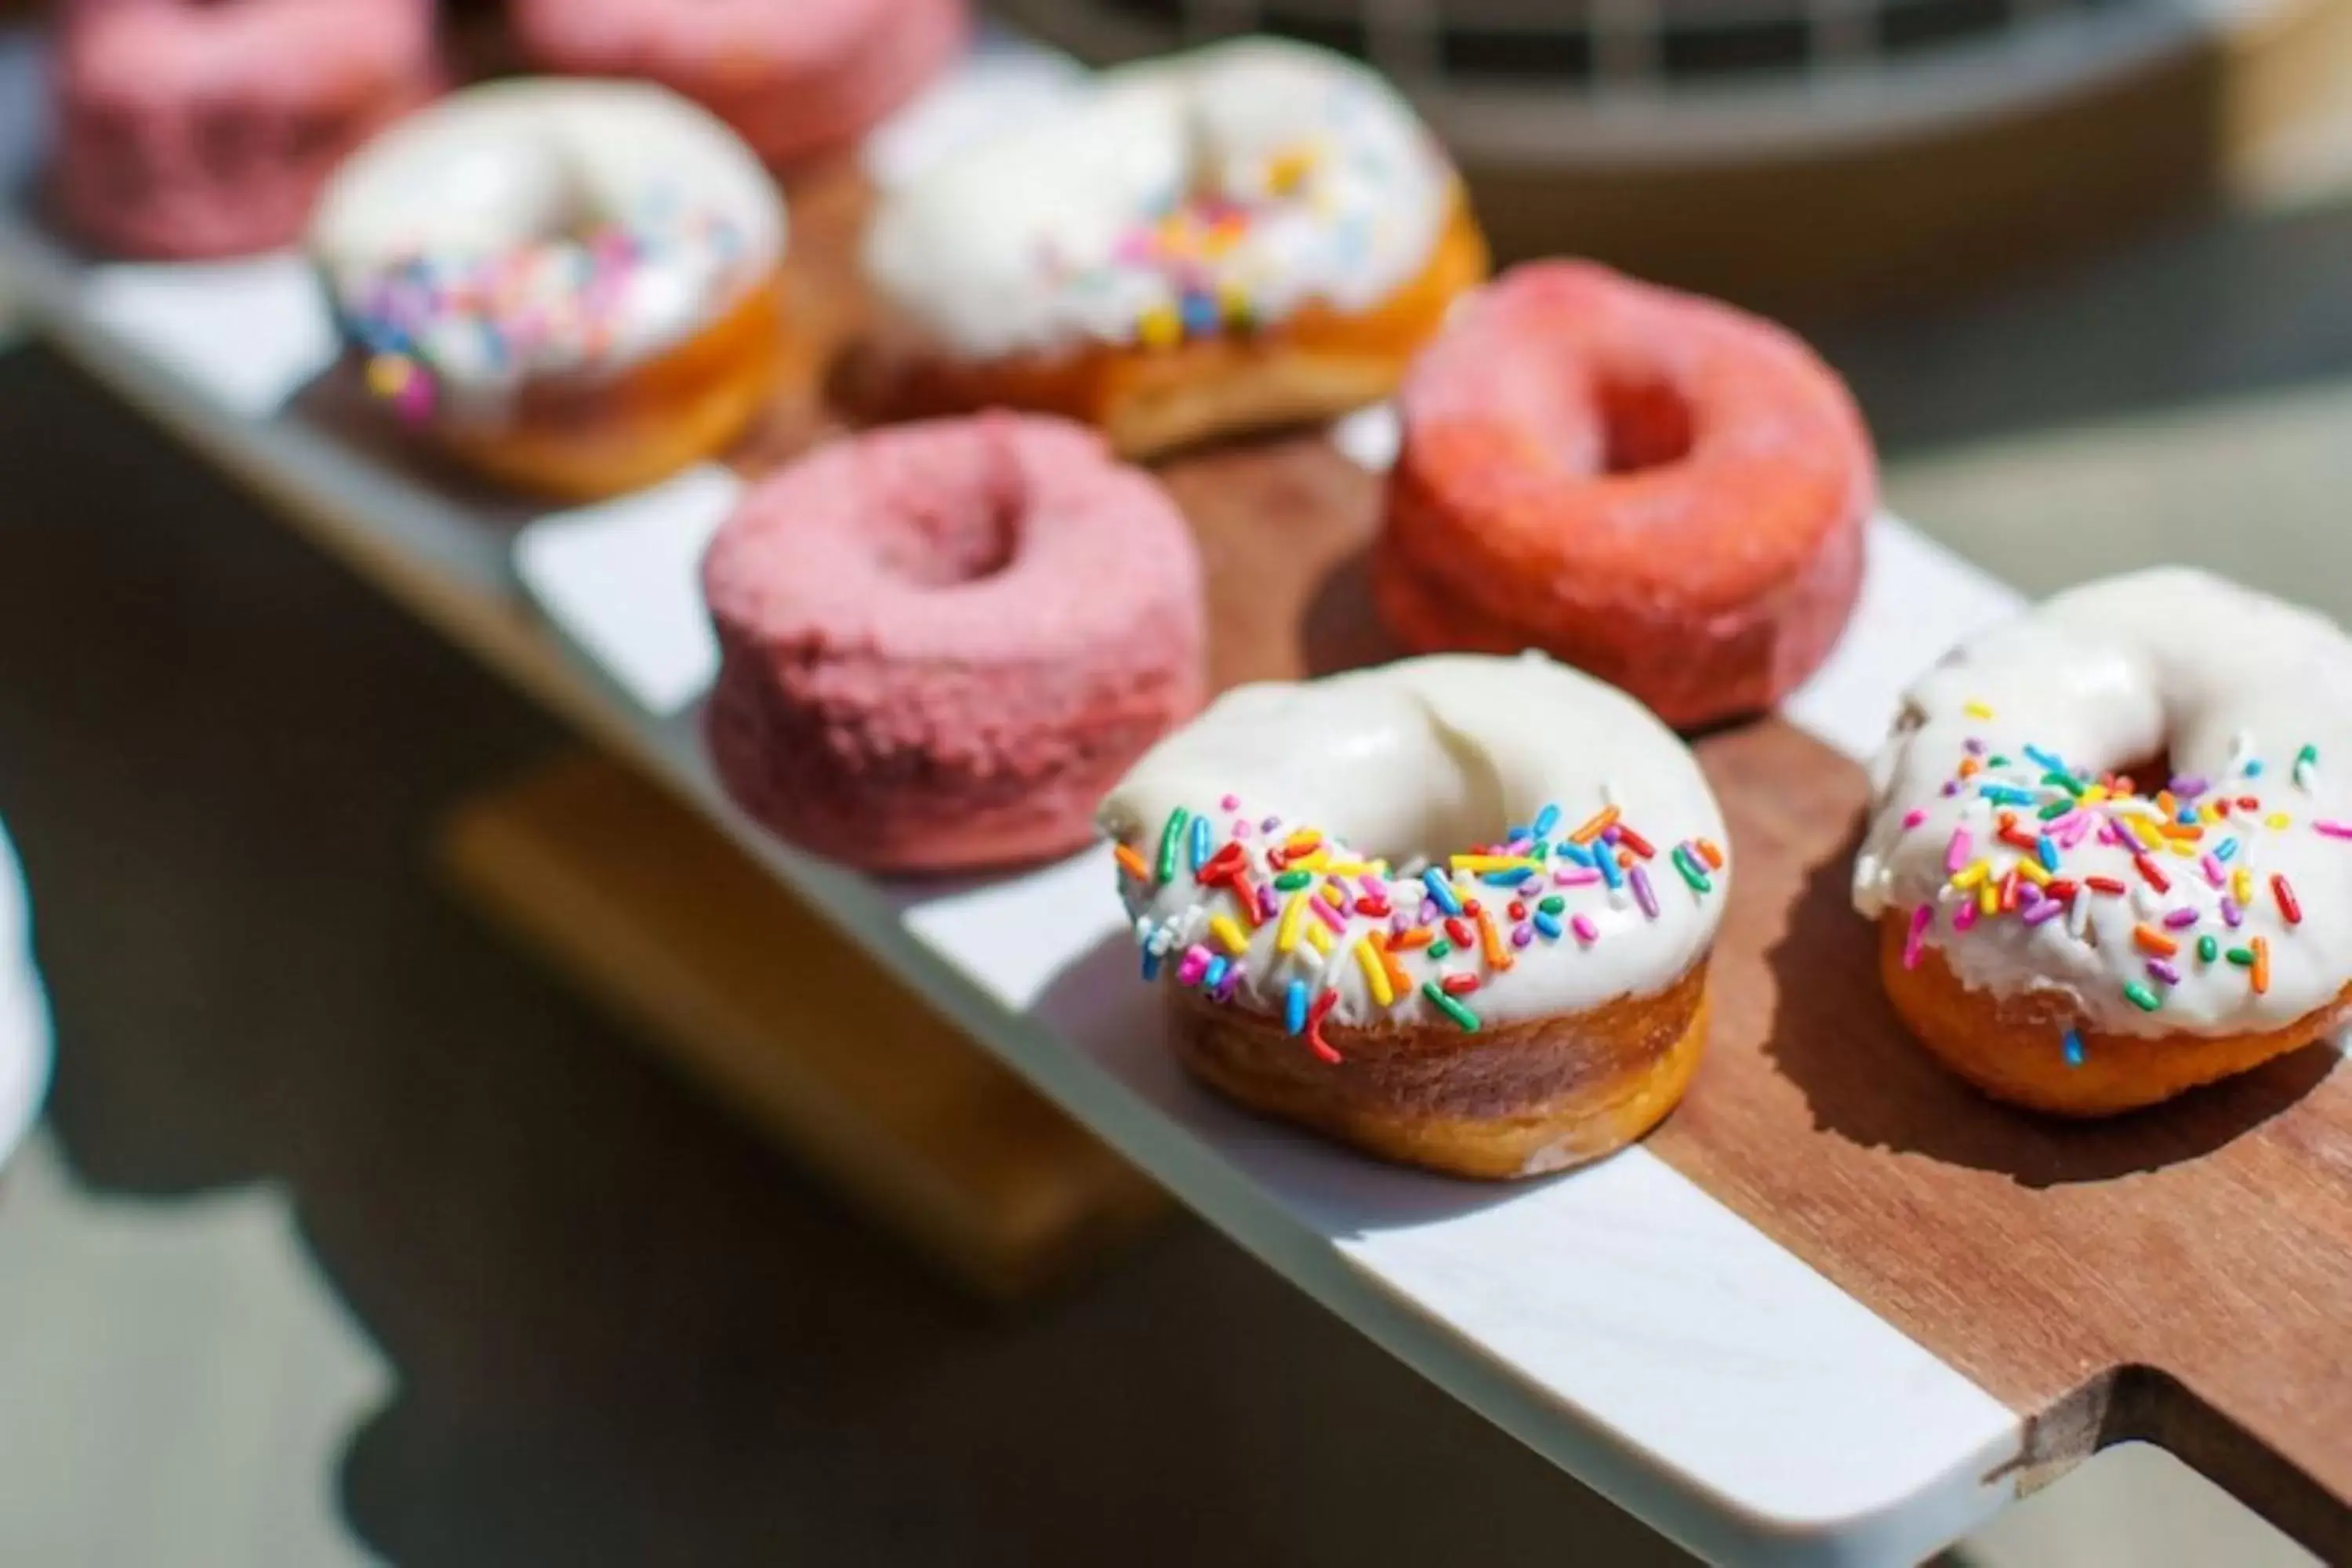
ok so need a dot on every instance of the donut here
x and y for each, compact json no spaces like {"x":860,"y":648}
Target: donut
{"x":181,"y":134}
{"x":1654,"y":487}
{"x":1454,"y":912}
{"x":573,"y":287}
{"x":1256,"y":233}
{"x":794,"y":78}
{"x":941,"y":642}
{"x":2110,"y":848}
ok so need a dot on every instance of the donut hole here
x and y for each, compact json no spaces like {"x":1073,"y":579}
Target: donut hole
{"x":1459,"y":802}
{"x":1646,"y":422}
{"x":2150,"y":775}
{"x":313,"y":137}
{"x":526,"y":190}
{"x":227,"y":140}
{"x":963,"y":536}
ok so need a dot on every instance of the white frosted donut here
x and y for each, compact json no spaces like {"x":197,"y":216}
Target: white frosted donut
{"x":525,"y":231}
{"x":1370,"y":812}
{"x":1239,"y":182}
{"x":2221,"y":905}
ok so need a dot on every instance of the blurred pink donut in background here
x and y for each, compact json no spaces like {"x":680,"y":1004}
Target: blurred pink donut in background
{"x":204,"y":128}
{"x":794,"y":78}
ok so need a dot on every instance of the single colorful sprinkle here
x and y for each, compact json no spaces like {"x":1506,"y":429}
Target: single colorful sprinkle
{"x":1376,"y":975}
{"x":1441,"y":890}
{"x":1641,"y":892}
{"x":1915,"y":939}
{"x":1172,"y":839}
{"x":1462,"y":1015}
{"x":1315,"y":1016}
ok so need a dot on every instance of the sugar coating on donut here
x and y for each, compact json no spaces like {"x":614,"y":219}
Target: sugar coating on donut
{"x":1656,"y":488}
{"x":533,"y":231}
{"x":1459,"y":841}
{"x":1183,"y":199}
{"x":2215,"y":900}
{"x":941,"y":642}
{"x":183,"y":135}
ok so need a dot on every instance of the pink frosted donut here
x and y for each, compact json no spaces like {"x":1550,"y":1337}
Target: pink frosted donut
{"x":204,"y":128}
{"x":941,"y":643}
{"x":794,"y":78}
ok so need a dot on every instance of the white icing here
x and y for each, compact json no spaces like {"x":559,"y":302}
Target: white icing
{"x":532,"y":182}
{"x":2105,"y":677}
{"x":1029,"y":241}
{"x":1431,"y":756}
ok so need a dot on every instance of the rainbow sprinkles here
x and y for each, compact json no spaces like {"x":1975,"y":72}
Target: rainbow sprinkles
{"x":2169,"y":887}
{"x":1294,"y":913}
{"x":1220,"y":191}
{"x":450,"y":331}
{"x":1221,"y":256}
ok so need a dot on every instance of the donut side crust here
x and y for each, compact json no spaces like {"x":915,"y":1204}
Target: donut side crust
{"x":1314,"y":365}
{"x":1744,"y":663}
{"x":598,"y":438}
{"x":1507,"y":1101}
{"x":2009,"y":1047}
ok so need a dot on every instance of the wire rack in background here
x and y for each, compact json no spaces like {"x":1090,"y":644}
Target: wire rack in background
{"x":1600,"y":81}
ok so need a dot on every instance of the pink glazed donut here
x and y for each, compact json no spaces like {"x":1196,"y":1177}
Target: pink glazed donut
{"x":794,"y":78}
{"x":941,"y":643}
{"x":190,"y":129}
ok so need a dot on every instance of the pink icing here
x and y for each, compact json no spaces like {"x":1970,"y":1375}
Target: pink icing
{"x":184,"y":133}
{"x":941,"y":643}
{"x":795,"y":78}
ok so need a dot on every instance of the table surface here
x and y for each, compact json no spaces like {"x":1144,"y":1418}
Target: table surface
{"x":1795,"y":1424}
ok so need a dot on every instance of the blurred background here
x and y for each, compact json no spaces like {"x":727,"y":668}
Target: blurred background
{"x":351,"y":1233}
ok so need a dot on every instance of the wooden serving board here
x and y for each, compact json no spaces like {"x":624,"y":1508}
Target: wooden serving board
{"x":2182,"y":1276}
